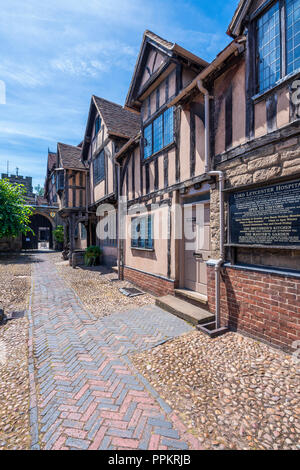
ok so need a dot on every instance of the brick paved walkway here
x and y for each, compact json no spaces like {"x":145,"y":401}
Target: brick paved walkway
{"x":89,"y":395}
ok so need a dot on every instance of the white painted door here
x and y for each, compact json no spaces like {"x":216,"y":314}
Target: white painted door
{"x":196,"y":246}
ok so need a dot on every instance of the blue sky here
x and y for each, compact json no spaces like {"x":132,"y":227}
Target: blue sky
{"x":57,"y":53}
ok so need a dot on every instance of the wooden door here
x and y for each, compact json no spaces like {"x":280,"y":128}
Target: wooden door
{"x":196,"y":246}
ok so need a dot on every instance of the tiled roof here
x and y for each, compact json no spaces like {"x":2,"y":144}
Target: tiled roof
{"x":51,"y":161}
{"x":172,"y":46}
{"x":239,"y":14}
{"x":159,"y":40}
{"x":70,"y":156}
{"x":119,"y":121}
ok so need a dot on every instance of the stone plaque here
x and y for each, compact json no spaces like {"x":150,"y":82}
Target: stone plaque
{"x":266,"y":216}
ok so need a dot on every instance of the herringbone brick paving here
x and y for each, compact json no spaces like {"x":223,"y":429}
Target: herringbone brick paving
{"x":90,"y":396}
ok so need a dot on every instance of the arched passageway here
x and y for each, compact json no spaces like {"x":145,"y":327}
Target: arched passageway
{"x":42,"y":236}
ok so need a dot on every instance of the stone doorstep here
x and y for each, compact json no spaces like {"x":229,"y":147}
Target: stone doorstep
{"x":195,"y":298}
{"x":185,"y":310}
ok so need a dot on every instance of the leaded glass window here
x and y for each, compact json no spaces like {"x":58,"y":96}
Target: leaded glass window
{"x":142,"y":232}
{"x":159,"y":133}
{"x":148,"y":141}
{"x":99,"y":167}
{"x":269,"y":48}
{"x":278,"y":43}
{"x":97,"y":125}
{"x":293,"y":34}
{"x":168,"y":127}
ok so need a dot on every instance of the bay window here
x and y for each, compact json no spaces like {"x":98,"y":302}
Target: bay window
{"x":60,"y":180}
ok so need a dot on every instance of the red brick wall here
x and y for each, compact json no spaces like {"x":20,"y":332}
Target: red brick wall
{"x":153,"y":284}
{"x":264,"y":306}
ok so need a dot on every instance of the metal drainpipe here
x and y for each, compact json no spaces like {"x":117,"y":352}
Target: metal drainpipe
{"x":120,"y":277}
{"x":220,"y":176}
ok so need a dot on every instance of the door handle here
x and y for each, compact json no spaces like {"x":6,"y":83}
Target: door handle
{"x":198,"y":255}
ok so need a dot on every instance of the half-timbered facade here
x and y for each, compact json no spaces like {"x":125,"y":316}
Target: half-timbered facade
{"x":253,"y":87}
{"x":162,"y":167}
{"x":207,"y":158}
{"x":50,"y":181}
{"x":109,"y":127}
{"x":71,"y":186}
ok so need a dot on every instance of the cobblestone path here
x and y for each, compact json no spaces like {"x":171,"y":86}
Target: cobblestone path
{"x":89,"y":395}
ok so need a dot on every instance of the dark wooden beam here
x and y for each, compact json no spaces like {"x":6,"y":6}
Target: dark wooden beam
{"x":178,"y":78}
{"x":133,"y":174}
{"x":166,"y":170}
{"x":250,"y":79}
{"x":271,"y":109}
{"x":177,"y":122}
{"x":261,"y":145}
{"x":167,"y":89}
{"x":147,"y":178}
{"x":156,"y":182}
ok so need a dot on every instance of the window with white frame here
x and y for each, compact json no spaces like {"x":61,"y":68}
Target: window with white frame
{"x":278,"y":42}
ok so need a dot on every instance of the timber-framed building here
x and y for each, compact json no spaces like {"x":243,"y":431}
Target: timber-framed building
{"x":214,"y":145}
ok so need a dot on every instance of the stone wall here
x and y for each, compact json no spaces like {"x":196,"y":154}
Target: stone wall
{"x":263,"y":165}
{"x":260,"y":302}
{"x":11,"y":244}
{"x":271,"y":162}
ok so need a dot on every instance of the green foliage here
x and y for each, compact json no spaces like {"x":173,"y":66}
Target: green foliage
{"x":14,"y":214}
{"x":92,"y":255}
{"x":58,"y":234}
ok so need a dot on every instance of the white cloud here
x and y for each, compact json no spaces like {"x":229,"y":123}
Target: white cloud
{"x":56,"y":53}
{"x":25,"y":75}
{"x":91,"y":58}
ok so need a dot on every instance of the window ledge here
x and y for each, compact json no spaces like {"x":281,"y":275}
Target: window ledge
{"x":263,"y":94}
{"x":159,"y":152}
{"x":98,"y":182}
{"x":141,"y":249}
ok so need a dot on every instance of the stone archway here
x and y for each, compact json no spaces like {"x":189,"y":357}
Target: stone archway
{"x":47,"y":216}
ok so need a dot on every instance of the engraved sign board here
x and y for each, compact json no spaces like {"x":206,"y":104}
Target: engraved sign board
{"x":266,"y":216}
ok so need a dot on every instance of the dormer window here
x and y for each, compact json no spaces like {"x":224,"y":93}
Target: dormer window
{"x":278,"y":42}
{"x":97,"y":125}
